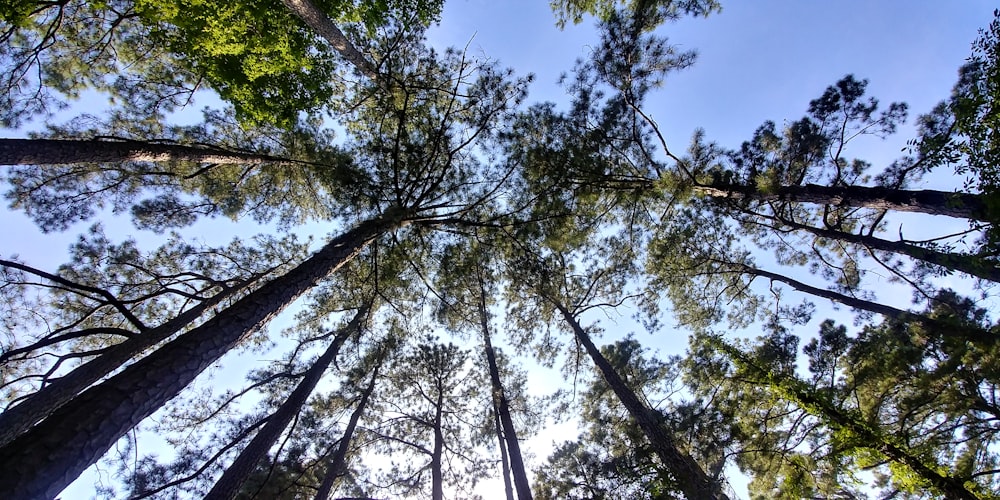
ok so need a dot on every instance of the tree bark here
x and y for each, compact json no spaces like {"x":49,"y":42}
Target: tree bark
{"x":43,"y":461}
{"x":958,"y":205}
{"x":502,"y":407}
{"x":437,"y":467}
{"x":41,"y":404}
{"x":67,"y":151}
{"x":977,"y":335}
{"x":956,"y":262}
{"x":231,"y":481}
{"x":338,"y":464}
{"x":691,"y":478}
{"x":324,"y":26}
{"x":508,"y":489}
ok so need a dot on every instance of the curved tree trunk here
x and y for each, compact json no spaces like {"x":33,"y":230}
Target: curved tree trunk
{"x":43,"y":461}
{"x":338,"y":464}
{"x":66,"y":151}
{"x":959,"y":205}
{"x":691,"y":478}
{"x":41,"y":404}
{"x":973,"y":334}
{"x":324,"y":26}
{"x":231,"y":481}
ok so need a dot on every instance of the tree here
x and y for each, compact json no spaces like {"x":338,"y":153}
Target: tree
{"x":959,"y":205}
{"x":236,"y":474}
{"x":59,"y":151}
{"x":963,"y":131}
{"x":710,"y":278}
{"x":108,"y":410}
{"x":254,"y":55}
{"x":611,"y":458}
{"x":768,"y":185}
{"x":338,"y":463}
{"x":573,"y":10}
{"x":568,"y":295}
{"x":173,"y":272}
{"x":209,"y":432}
{"x":467,"y":196}
{"x":419,"y":174}
{"x":467,"y":283}
{"x":258,"y":173}
{"x":690,"y":477}
{"x":72,"y":46}
{"x":422,"y":419}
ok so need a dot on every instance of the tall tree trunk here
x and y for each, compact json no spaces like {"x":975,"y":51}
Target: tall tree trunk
{"x":691,"y":478}
{"x":437,"y":467}
{"x":324,"y":26}
{"x":41,"y":404}
{"x":227,"y":486}
{"x":815,"y":404}
{"x":957,"y":262}
{"x":66,"y":151}
{"x":959,"y":205}
{"x":501,"y":405}
{"x":508,"y":489}
{"x":969,"y":333}
{"x":338,"y":464}
{"x":43,"y":461}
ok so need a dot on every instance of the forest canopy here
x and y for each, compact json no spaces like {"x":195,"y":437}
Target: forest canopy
{"x":449,"y":269}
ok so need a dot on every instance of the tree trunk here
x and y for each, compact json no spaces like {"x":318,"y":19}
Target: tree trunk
{"x":502,"y":407}
{"x":839,"y":419}
{"x":958,"y":205}
{"x":227,"y":486}
{"x":324,"y":26}
{"x":691,"y":478}
{"x":972,"y":334}
{"x":43,"y":461}
{"x":956,"y":262}
{"x":437,"y":467}
{"x":66,"y":151}
{"x":41,"y":404}
{"x":508,"y":489}
{"x":338,"y":464}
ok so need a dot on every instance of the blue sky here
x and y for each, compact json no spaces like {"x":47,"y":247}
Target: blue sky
{"x":758,"y":60}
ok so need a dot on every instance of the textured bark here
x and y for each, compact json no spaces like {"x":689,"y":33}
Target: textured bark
{"x":338,"y":463}
{"x":46,"y":400}
{"x":973,"y":334}
{"x":324,"y":26}
{"x":65,"y":151}
{"x":231,"y":481}
{"x":502,"y":407}
{"x":690,"y":477}
{"x":959,"y":205}
{"x":43,"y":461}
{"x":956,"y":262}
